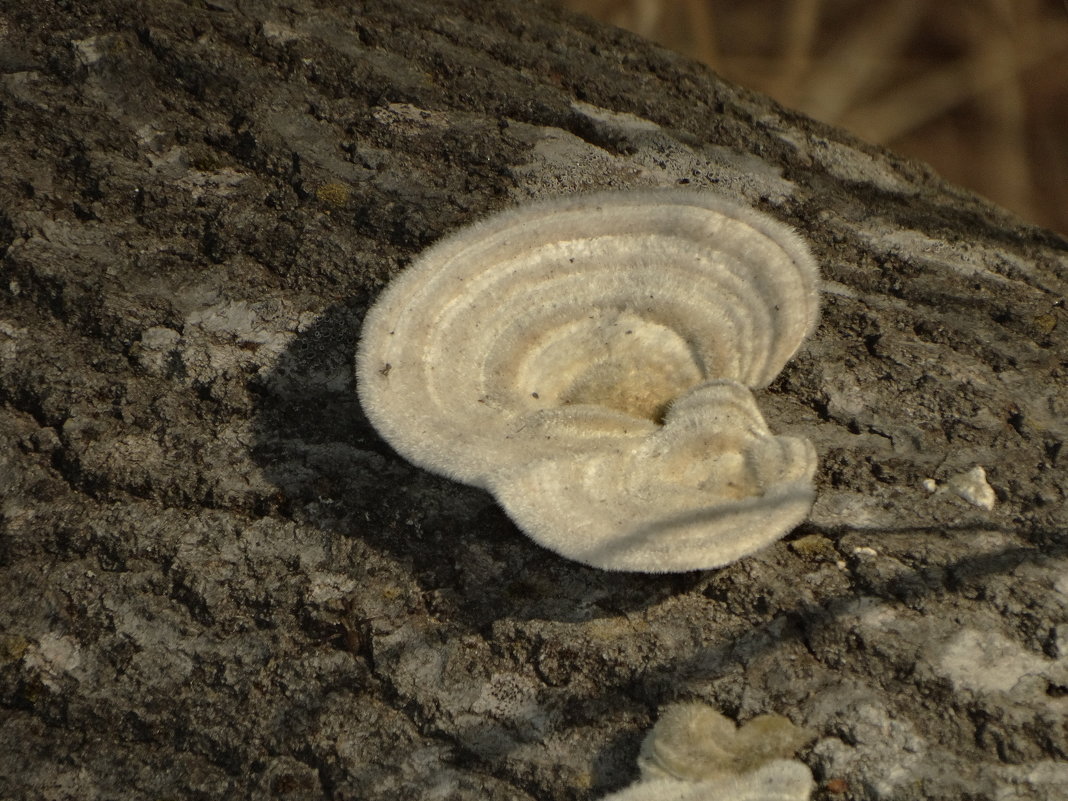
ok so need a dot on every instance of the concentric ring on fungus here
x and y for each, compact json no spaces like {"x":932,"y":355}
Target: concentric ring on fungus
{"x":588,"y":361}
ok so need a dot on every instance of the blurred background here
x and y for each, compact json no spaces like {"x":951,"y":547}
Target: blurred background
{"x":977,"y":88}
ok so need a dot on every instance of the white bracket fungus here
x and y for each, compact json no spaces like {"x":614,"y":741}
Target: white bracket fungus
{"x":694,"y":753}
{"x":971,"y":485}
{"x":589,"y":361}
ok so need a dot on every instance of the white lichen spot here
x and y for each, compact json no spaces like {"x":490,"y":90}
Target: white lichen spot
{"x":617,"y":119}
{"x":1061,"y":585}
{"x":9,"y":340}
{"x":972,"y":486}
{"x":987,"y":661}
{"x":53,"y":656}
{"x":91,"y":50}
{"x":325,"y":588}
{"x":157,"y":348}
{"x":589,"y":362}
{"x":278,"y":33}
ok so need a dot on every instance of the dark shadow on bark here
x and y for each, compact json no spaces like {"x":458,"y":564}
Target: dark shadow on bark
{"x":315,"y":444}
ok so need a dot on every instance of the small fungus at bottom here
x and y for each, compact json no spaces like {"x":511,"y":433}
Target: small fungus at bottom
{"x":694,"y":753}
{"x":590,"y":362}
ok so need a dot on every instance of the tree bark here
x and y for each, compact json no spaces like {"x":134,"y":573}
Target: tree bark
{"x":216,"y":581}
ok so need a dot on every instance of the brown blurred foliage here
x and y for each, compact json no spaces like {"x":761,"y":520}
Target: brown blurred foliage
{"x":978,"y":88}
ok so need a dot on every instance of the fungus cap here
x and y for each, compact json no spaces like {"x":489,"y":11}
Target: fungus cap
{"x":589,"y":361}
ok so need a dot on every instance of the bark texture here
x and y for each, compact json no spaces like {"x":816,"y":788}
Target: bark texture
{"x":216,"y":581}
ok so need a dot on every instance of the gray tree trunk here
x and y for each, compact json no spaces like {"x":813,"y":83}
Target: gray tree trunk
{"x":216,"y":580}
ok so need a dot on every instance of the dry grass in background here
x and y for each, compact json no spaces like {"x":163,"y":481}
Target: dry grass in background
{"x":978,"y":88}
